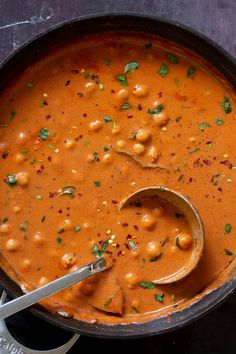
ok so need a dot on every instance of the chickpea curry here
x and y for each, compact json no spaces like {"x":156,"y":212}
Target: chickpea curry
{"x":80,"y":130}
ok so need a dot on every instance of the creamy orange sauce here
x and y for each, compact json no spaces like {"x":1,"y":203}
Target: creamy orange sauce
{"x":82,"y":129}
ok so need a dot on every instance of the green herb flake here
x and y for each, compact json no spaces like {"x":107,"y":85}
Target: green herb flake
{"x":172,"y":58}
{"x":43,"y":133}
{"x":132,"y":245}
{"x":97,"y":184}
{"x":173,"y":297}
{"x":204,"y":125}
{"x":215,"y":179}
{"x":134,"y":309}
{"x":191,"y":72}
{"x":177,"y":82}
{"x":5,"y":220}
{"x":87,"y":143}
{"x":38,"y":197}
{"x":125,"y":106}
{"x":23,"y":225}
{"x":163,"y":71}
{"x":154,"y":259}
{"x":157,"y":110}
{"x":226,"y":105}
{"x":159,"y":297}
{"x":228,"y":228}
{"x":77,"y":228}
{"x":177,"y":243}
{"x":122,"y":80}
{"x":29,"y":84}
{"x":87,"y":75}
{"x":104,"y":245}
{"x":59,"y":240}
{"x":61,"y":231}
{"x":67,"y":190}
{"x":147,"y":285}
{"x":192,"y":151}
{"x":219,"y":121}
{"x":108,"y":301}
{"x":11,"y":180}
{"x":97,"y":252}
{"x":131,"y":66}
{"x":11,"y":116}
{"x":228,"y":252}
{"x":106,"y":148}
{"x":107,"y":120}
{"x":107,"y":61}
{"x":95,"y":155}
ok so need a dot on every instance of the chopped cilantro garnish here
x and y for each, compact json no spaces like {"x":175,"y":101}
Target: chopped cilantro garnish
{"x":77,"y":228}
{"x":159,"y":297}
{"x":177,"y":83}
{"x":87,"y":143}
{"x":228,"y":228}
{"x":219,"y":121}
{"x":125,"y":106}
{"x":192,"y":151}
{"x":106,"y":148}
{"x":191,"y":71}
{"x":59,"y":240}
{"x":163,"y":71}
{"x":147,"y":285}
{"x":204,"y":125}
{"x":11,"y":180}
{"x":61,"y":231}
{"x":157,"y":110}
{"x":43,"y":133}
{"x":97,"y":252}
{"x":95,"y":155}
{"x":107,"y":61}
{"x":132,"y":245}
{"x":97,"y":184}
{"x":107,"y":119}
{"x":154,"y":259}
{"x":131,"y":66}
{"x":108,"y":301}
{"x":172,"y":58}
{"x":122,"y":79}
{"x":226,"y":105}
{"x":228,"y":252}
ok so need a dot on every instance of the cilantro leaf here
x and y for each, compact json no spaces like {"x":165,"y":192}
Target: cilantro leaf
{"x":157,"y":110}
{"x":43,"y":133}
{"x":191,"y":72}
{"x":107,"y":119}
{"x":131,"y":66}
{"x":159,"y":297}
{"x":163,"y":71}
{"x":172,"y":58}
{"x":122,"y":79}
{"x":226,"y":105}
{"x":147,"y":285}
{"x":228,"y":228}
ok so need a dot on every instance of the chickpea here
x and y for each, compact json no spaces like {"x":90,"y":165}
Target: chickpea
{"x":90,"y":86}
{"x":159,"y":211}
{"x":184,"y":241}
{"x":21,"y":138}
{"x":16,"y":209}
{"x":139,"y":148}
{"x":66,"y":224}
{"x":143,"y":135}
{"x":107,"y":158}
{"x":23,"y":179}
{"x":160,"y":119}
{"x":12,"y":244}
{"x":116,"y":129}
{"x":38,"y":238}
{"x":4,"y":228}
{"x":122,"y":95}
{"x":26,"y":263}
{"x":153,"y":153}
{"x":121,"y":143}
{"x":68,"y":260}
{"x":154,"y":249}
{"x":148,"y":221}
{"x":69,"y":143}
{"x":19,"y":158}
{"x":132,"y":279}
{"x":140,"y":91}
{"x":43,"y":281}
{"x":95,"y":125}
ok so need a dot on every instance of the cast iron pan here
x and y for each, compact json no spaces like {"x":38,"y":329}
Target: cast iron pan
{"x":215,"y":55}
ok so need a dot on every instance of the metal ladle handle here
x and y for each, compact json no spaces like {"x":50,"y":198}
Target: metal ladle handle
{"x":8,"y":344}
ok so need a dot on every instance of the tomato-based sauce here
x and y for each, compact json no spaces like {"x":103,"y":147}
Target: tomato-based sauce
{"x":80,"y":130}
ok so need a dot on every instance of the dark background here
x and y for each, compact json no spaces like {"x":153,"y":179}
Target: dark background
{"x":22,"y":19}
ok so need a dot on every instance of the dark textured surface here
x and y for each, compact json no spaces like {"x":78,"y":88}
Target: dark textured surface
{"x":22,"y":19}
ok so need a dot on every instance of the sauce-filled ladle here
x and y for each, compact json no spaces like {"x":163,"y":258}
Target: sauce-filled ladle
{"x":183,"y":204}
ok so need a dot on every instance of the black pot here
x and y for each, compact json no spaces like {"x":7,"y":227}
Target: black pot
{"x":215,"y":55}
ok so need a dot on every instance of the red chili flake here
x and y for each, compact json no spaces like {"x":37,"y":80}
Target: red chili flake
{"x":129,"y":115}
{"x":136,"y":228}
{"x":127,"y":246}
{"x":206,"y":162}
{"x":209,"y":142}
{"x":128,"y":237}
{"x":5,"y":155}
{"x":113,"y":91}
{"x":48,"y":116}
{"x":125,"y":224}
{"x":227,"y":163}
{"x":114,"y":202}
{"x":160,"y":94}
{"x":100,"y":242}
{"x":139,"y":106}
{"x":52,"y":194}
{"x":38,"y":172}
{"x":98,"y":234}
{"x":80,"y":94}
{"x":119,"y":253}
{"x":60,"y":211}
{"x":197,"y":163}
{"x":42,"y":167}
{"x":219,"y":189}
{"x":190,"y":179}
{"x":85,"y":115}
{"x":74,"y":71}
{"x":68,"y":214}
{"x":44,"y":103}
{"x":67,"y":82}
{"x":117,"y":245}
{"x":49,"y":158}
{"x":79,"y":137}
{"x":172,"y":155}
